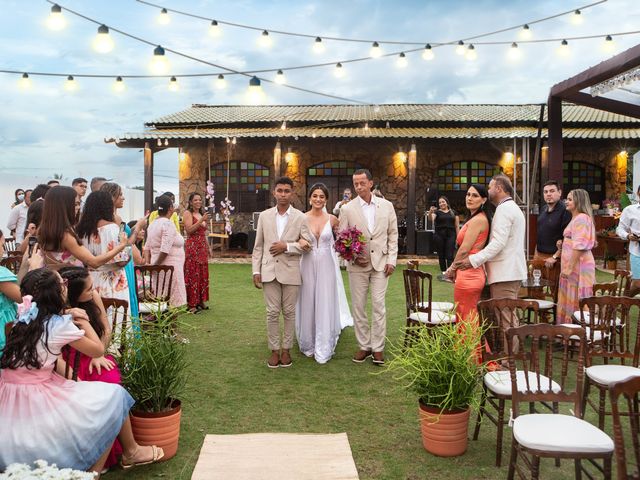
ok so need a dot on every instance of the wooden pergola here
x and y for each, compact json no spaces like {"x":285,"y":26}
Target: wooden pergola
{"x":572,"y":90}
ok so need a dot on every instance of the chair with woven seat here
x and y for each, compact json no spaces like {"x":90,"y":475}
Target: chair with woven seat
{"x":154,"y":288}
{"x":551,"y":435}
{"x":12,"y":263}
{"x":548,"y":297}
{"x":627,"y":393}
{"x":623,"y":279}
{"x":421,"y":310}
{"x":117,"y":311}
{"x":617,"y":344}
{"x":496,"y":385}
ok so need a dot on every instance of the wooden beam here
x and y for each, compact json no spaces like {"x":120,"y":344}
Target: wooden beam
{"x":606,"y":104}
{"x":603,"y":71}
{"x":411,"y":200}
{"x":148,"y":177}
{"x":556,"y":152}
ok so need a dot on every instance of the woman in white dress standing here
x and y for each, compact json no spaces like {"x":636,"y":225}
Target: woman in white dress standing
{"x":322,"y":310}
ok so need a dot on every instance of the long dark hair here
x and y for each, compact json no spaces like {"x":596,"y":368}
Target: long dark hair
{"x":58,"y":216}
{"x":320,"y":186}
{"x":20,"y":350}
{"x":190,"y":203}
{"x":99,"y":206}
{"x":76,"y":281}
{"x":448,"y":204}
{"x":487,"y":207}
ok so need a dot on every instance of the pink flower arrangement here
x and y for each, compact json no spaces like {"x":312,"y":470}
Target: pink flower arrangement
{"x":350,"y":244}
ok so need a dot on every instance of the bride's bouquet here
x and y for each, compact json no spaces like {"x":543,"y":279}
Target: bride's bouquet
{"x":350,"y":244}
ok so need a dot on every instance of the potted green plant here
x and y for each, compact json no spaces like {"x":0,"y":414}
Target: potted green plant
{"x":442,"y":367}
{"x":154,"y":371}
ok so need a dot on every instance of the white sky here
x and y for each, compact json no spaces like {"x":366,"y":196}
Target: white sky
{"x":49,"y":130}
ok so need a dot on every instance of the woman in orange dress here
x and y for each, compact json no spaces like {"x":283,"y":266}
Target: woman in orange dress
{"x":471,"y":239}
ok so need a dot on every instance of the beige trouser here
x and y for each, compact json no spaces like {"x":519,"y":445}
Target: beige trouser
{"x":280,"y":298}
{"x":369,"y":338}
{"x":507,"y":290}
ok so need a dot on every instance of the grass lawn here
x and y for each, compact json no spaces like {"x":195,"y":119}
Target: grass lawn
{"x":232,"y":391}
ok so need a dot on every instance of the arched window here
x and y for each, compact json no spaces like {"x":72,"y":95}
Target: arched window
{"x":248,"y":185}
{"x":336,"y":175}
{"x":584,"y":175}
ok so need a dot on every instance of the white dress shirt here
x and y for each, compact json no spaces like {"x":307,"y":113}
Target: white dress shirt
{"x":630,"y":223}
{"x":18,"y":221}
{"x":369,"y":211}
{"x":282,"y":220}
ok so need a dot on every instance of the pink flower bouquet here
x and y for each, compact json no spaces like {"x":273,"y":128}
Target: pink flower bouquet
{"x":350,"y":244}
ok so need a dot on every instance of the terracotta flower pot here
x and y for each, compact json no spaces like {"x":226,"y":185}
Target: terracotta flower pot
{"x":158,"y":428}
{"x":444,"y":434}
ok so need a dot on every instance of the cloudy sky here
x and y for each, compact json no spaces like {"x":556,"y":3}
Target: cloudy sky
{"x":48,"y":130}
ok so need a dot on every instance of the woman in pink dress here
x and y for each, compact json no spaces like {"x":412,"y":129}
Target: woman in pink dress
{"x":578,"y":267}
{"x":471,"y":239}
{"x":165,"y":246}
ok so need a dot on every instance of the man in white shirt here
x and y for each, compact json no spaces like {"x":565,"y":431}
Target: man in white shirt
{"x":18,"y":218}
{"x":346,"y":198}
{"x":629,"y":229}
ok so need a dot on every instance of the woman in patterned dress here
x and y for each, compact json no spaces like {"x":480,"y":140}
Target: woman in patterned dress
{"x":578,"y":268}
{"x":196,"y":265}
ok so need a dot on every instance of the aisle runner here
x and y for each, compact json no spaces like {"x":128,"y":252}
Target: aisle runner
{"x":280,"y":456}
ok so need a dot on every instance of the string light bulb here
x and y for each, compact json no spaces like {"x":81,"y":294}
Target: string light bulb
{"x":159,"y":63}
{"x":284,"y":125}
{"x":339,"y":70}
{"x":70,"y":85}
{"x":609,"y":45}
{"x":376,"y":51}
{"x":577,"y":18}
{"x":514,"y":52}
{"x":280,"y":78}
{"x":366,"y":126}
{"x":525,"y":32}
{"x":318,"y":46}
{"x":264,"y":40}
{"x":460,"y":49}
{"x":214,"y":29}
{"x":118,"y":85}
{"x":25,"y":82}
{"x":56,"y":20}
{"x":163,"y":17}
{"x":427,"y":53}
{"x":563,"y":49}
{"x":221,"y":83}
{"x":173,"y":84}
{"x":402,"y":61}
{"x":255,"y":94}
{"x":471,"y":53}
{"x":103,"y":43}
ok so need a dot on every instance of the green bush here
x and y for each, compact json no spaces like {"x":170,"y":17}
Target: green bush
{"x":441,"y":365}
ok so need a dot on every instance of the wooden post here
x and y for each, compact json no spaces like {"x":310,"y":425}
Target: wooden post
{"x":556,"y":153}
{"x":411,"y":201}
{"x":148,"y":177}
{"x":277,"y":160}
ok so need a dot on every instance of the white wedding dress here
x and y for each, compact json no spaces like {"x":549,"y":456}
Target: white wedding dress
{"x":322,"y":310}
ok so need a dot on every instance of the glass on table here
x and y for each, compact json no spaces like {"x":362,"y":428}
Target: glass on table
{"x":537,"y":275}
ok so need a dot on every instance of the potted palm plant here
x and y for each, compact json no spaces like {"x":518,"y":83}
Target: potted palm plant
{"x":154,"y":371}
{"x":442,"y":367}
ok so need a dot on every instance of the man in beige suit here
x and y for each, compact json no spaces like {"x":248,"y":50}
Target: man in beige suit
{"x":376,"y":218}
{"x":276,"y":268}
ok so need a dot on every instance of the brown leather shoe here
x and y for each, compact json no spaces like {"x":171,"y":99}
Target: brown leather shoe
{"x":361,"y":356}
{"x":274,"y":359}
{"x":378,"y":358}
{"x":285,"y":359}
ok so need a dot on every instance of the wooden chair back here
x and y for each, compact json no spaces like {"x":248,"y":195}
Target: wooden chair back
{"x":551,"y":274}
{"x":623,"y":277}
{"x":413,"y":265}
{"x":619,"y":336}
{"x":535,"y":353}
{"x":625,"y":402}
{"x":10,"y":244}
{"x":605,"y":288}
{"x":154,"y":282}
{"x":12,"y":263}
{"x":418,"y":292}
{"x":72,"y":365}
{"x":490,"y":312}
{"x":117,"y":312}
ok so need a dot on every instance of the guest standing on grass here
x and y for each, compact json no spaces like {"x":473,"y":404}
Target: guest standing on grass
{"x":629,"y":229}
{"x":447,"y":226}
{"x":276,"y":268}
{"x":196,"y":265}
{"x":577,"y":266}
{"x":552,"y":221}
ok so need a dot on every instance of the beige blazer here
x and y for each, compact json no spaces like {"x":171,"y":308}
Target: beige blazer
{"x":382,"y":243}
{"x":284,"y":268}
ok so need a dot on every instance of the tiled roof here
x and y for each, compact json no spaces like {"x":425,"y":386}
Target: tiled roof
{"x":486,"y":113}
{"x":352,"y":132}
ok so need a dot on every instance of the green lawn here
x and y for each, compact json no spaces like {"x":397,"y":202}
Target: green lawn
{"x":232,"y":391}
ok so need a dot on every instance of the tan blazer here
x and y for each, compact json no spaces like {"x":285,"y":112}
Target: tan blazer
{"x":284,"y":268}
{"x":382,"y":243}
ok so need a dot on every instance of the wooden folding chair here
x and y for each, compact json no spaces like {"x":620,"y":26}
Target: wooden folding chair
{"x":154,"y":288}
{"x":10,"y":245}
{"x":623,"y":277}
{"x":117,"y":311}
{"x":627,"y":393}
{"x":548,"y":297}
{"x":12,"y":263}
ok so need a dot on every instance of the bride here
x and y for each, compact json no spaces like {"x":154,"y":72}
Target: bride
{"x":322,"y":310}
